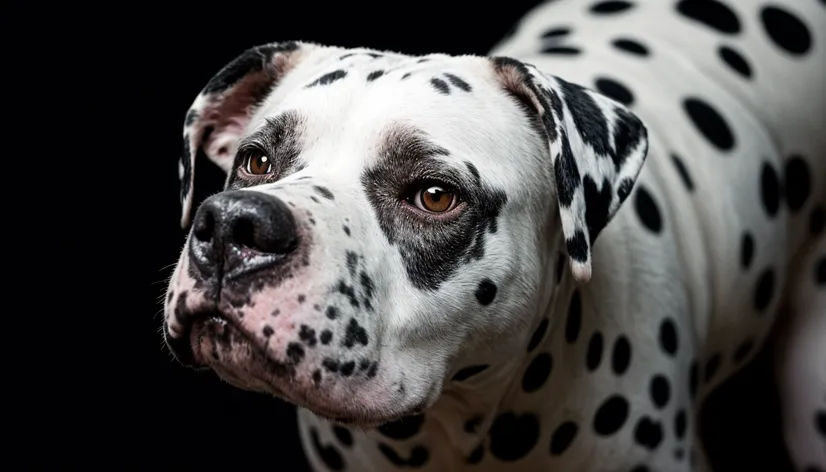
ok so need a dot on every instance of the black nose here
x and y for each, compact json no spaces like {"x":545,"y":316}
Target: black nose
{"x":230,"y":226}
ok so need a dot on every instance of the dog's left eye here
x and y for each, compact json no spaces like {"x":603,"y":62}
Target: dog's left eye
{"x":435,"y":199}
{"x":258,"y":164}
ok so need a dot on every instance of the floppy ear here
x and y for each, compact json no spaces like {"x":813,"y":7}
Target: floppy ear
{"x":220,"y":113}
{"x":597,"y":148}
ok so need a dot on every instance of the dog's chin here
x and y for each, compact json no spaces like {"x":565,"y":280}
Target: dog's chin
{"x":220,"y":345}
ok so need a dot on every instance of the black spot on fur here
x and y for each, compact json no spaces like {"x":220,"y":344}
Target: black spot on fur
{"x":611,"y":415}
{"x":610,"y":7}
{"x":787,"y":31}
{"x":468,"y":372}
{"x":346,"y":229}
{"x":562,"y":437}
{"x":328,"y":454}
{"x":625,"y":188}
{"x":538,"y":335}
{"x":712,"y":366}
{"x":770,"y":189}
{"x":735,"y":60}
{"x":374,"y":75}
{"x":556,"y":32}
{"x":817,"y":220}
{"x":660,"y":390}
{"x":295,"y":353}
{"x":648,"y":433}
{"x":348,"y":291}
{"x":561,"y":50}
{"x":472,"y":425}
{"x":343,"y":435}
{"x":485,"y":292}
{"x":798,"y":183}
{"x":621,"y":355}
{"x":352,"y":263}
{"x":591,"y":124}
{"x":593,"y":356}
{"x":711,"y":13}
{"x":458,"y":83}
{"x":267,"y":331}
{"x":573,"y":323}
{"x":329,"y":78}
{"x":597,"y":203}
{"x":512,"y":437}
{"x":683,"y":172}
{"x":577,"y":246}
{"x":324,"y":192}
{"x":680,"y":424}
{"x":647,"y":210}
{"x":746,"y":250}
{"x":418,"y":456}
{"x":354,"y":334}
{"x":440,"y":85}
{"x":403,"y":428}
{"x":332,"y":312}
{"x":566,"y":173}
{"x":613,"y":89}
{"x":764,"y":291}
{"x":630,"y":46}
{"x":820,"y":422}
{"x":537,"y":372}
{"x":668,"y":336}
{"x":693,"y":378}
{"x":711,"y":125}
{"x":307,"y":335}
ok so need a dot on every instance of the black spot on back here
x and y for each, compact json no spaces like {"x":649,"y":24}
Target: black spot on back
{"x":354,"y":334}
{"x":630,"y":46}
{"x":440,"y":85}
{"x":573,"y":323}
{"x":610,"y":7}
{"x":562,"y":437}
{"x":469,"y":372}
{"x":647,"y":210}
{"x":611,"y":415}
{"x":458,"y":83}
{"x":328,"y":454}
{"x":556,"y":32}
{"x":374,"y":75}
{"x":786,"y":30}
{"x":746,"y":250}
{"x":561,"y":50}
{"x":611,"y":88}
{"x":538,"y":335}
{"x":711,"y":13}
{"x":798,"y":183}
{"x":537,"y":372}
{"x":764,"y":291}
{"x":770,"y":189}
{"x":660,"y":390}
{"x":324,"y":192}
{"x":329,"y":78}
{"x":683,"y":172}
{"x":735,"y":60}
{"x":709,"y":123}
{"x":343,"y":435}
{"x":668,"y":336}
{"x":621,"y":355}
{"x":403,"y":428}
{"x":593,"y":356}
{"x":648,"y":433}
{"x":512,"y":437}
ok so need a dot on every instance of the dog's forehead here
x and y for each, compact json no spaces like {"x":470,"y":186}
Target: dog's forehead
{"x":351,"y":98}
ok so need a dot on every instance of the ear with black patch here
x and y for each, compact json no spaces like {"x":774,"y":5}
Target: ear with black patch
{"x":597,"y":148}
{"x":220,"y":113}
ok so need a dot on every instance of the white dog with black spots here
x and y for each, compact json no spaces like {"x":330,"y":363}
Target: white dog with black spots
{"x":540,"y":260}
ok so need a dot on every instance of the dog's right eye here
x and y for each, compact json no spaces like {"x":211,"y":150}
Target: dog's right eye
{"x":258,"y":164}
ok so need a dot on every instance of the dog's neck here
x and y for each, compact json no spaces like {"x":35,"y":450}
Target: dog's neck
{"x":469,"y":412}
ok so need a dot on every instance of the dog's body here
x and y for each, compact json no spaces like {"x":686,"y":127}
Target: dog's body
{"x":323,"y":283}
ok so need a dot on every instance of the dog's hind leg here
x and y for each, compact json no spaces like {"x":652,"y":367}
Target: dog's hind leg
{"x":801,"y":361}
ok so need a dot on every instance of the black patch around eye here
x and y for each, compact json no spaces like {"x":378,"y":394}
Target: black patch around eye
{"x":440,"y":86}
{"x":329,"y":78}
{"x":374,"y":75}
{"x":458,"y":83}
{"x":280,"y":139}
{"x":431,"y":256}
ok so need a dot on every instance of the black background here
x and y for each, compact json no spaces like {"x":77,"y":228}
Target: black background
{"x":108,"y":90}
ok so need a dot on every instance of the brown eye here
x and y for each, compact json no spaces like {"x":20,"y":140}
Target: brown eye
{"x":258,"y":164}
{"x":435,"y":199}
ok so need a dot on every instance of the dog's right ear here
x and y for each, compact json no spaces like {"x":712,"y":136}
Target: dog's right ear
{"x":220,"y":113}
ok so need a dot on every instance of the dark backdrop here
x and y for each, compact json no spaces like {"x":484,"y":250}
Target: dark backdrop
{"x":99,"y":388}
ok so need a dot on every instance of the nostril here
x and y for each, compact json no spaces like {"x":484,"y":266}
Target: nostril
{"x":204,"y":227}
{"x":243,"y":233}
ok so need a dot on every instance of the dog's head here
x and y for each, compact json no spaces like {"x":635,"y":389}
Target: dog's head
{"x":384,"y":217}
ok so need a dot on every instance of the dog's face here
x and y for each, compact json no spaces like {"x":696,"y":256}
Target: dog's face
{"x":384,"y":218}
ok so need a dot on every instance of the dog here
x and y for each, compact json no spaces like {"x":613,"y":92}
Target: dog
{"x":542,"y":259}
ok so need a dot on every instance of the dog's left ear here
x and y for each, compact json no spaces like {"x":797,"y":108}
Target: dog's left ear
{"x":597,"y":148}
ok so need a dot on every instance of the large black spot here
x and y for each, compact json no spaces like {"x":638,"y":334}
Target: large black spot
{"x":593,"y":355}
{"x":597,"y":204}
{"x":486,"y":292}
{"x":512,"y":437}
{"x":820,"y":422}
{"x":660,"y":390}
{"x":611,"y":415}
{"x":537,"y":372}
{"x":538,"y":335}
{"x":764,"y":290}
{"x":680,"y":423}
{"x":587,"y":116}
{"x":562,"y":437}
{"x":746,"y":250}
{"x":711,"y":13}
{"x":573,"y":324}
{"x":468,"y":372}
{"x":712,"y":366}
{"x":820,"y":271}
{"x":709,"y":123}
{"x":630,"y":46}
{"x":343,"y":435}
{"x":786,"y":30}
{"x":615,"y":90}
{"x":354,"y":334}
{"x":684,"y":175}
{"x":668,"y":336}
{"x":770,"y":189}
{"x":328,"y":454}
{"x":648,"y":433}
{"x":797,"y":184}
{"x":735,"y":60}
{"x":647,"y":210}
{"x":418,"y":456}
{"x":621,"y":355}
{"x":404,"y":428}
{"x":610,"y":6}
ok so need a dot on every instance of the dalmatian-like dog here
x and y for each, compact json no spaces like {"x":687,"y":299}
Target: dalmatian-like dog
{"x":539,"y":260}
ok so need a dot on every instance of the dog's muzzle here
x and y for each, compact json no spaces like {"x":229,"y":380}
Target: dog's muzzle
{"x":234,"y":235}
